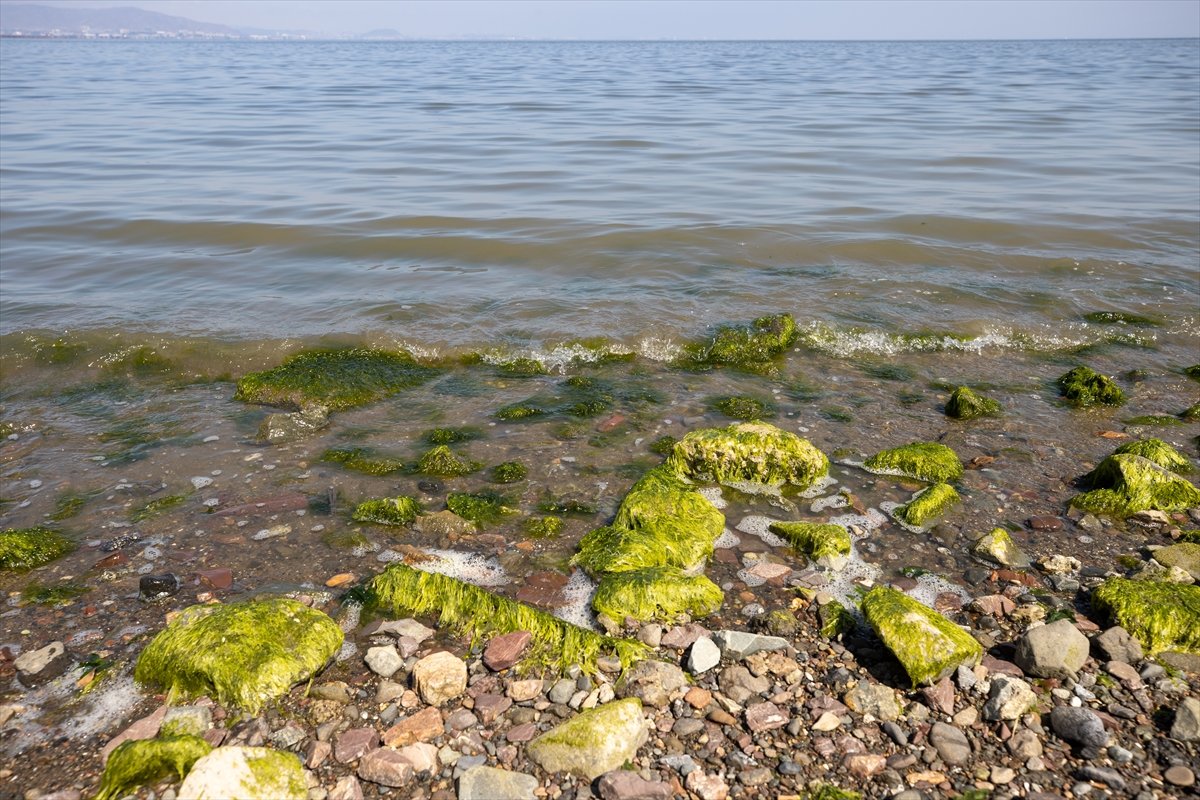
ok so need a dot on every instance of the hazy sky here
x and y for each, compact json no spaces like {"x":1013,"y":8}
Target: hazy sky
{"x":699,"y":19}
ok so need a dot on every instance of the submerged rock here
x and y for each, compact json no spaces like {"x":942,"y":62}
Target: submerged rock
{"x":1123,"y":484}
{"x":998,"y":547}
{"x":442,"y":462}
{"x":927,"y":505}
{"x":247,"y":773}
{"x":26,"y":548}
{"x":335,"y":379}
{"x":749,"y":453}
{"x":1085,"y":387}
{"x":656,"y":593}
{"x":966,"y":404}
{"x":397,"y":511}
{"x":293,"y":426}
{"x":595,"y":742}
{"x":926,"y":461}
{"x":241,"y":654}
{"x":1162,"y":616}
{"x":146,"y":761}
{"x":928,"y":645}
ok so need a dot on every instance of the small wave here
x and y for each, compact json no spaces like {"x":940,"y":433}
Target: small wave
{"x":560,"y":357}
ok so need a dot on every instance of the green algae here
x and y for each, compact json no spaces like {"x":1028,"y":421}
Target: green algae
{"x":1192,"y":372}
{"x":966,"y":404}
{"x":928,"y":645}
{"x":443,"y":462}
{"x":618,"y":549}
{"x":438,"y":436}
{"x":1123,"y":484}
{"x":521,"y":367}
{"x":889,"y":372}
{"x":520,"y":411}
{"x":543,"y":527}
{"x":565,"y":505}
{"x":927,"y":505}
{"x":1192,"y":536}
{"x":998,"y":547}
{"x":663,"y":445}
{"x":139,"y":762}
{"x":814,"y":540}
{"x":156,"y":506}
{"x":25,"y":548}
{"x":834,"y":619}
{"x":1160,"y":615}
{"x":827,"y":791}
{"x":482,"y":508}
{"x":1122,"y":318}
{"x":741,"y":407}
{"x":68,"y":505}
{"x":478,"y":614}
{"x":58,"y":594}
{"x":752,"y":347}
{"x":926,"y":461}
{"x":337,"y":379}
{"x":656,"y":593}
{"x":1163,"y":420}
{"x":362,"y":459}
{"x":509,"y":472}
{"x":241,"y":654}
{"x":1085,"y":387}
{"x":660,"y":500}
{"x":1157,"y":451}
{"x":1191,"y":413}
{"x":397,"y":511}
{"x":755,"y":453}
{"x":598,"y":740}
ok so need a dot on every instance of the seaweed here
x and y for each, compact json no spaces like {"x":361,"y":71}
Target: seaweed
{"x":1122,"y":318}
{"x":443,"y":462}
{"x":966,"y":404}
{"x":519,"y":411}
{"x":926,"y":461}
{"x":543,"y":527}
{"x":59,"y":594}
{"x":1163,"y":420}
{"x":620,"y":549}
{"x":814,"y":540}
{"x":1085,"y":387}
{"x":741,"y":407}
{"x":156,"y":507}
{"x":68,"y":505}
{"x":566,"y":505}
{"x":928,"y":645}
{"x":663,"y":445}
{"x":927,"y":504}
{"x":337,"y":379}
{"x":25,"y":548}
{"x":509,"y":472}
{"x":479,"y":614}
{"x":752,"y":347}
{"x":396,"y":511}
{"x":362,"y":459}
{"x":749,"y":453}
{"x":1160,"y":615}
{"x":1124,"y":484}
{"x":662,"y":593}
{"x":139,"y":762}
{"x":438,"y":436}
{"x":482,"y":508}
{"x":1157,"y":451}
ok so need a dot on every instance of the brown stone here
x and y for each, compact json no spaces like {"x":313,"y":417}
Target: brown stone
{"x":385,"y":767}
{"x":543,"y":590}
{"x":523,"y":690}
{"x":864,"y":765}
{"x":316,"y":754}
{"x":504,"y":651}
{"x":764,"y":717}
{"x":490,"y":706}
{"x":109,"y":562}
{"x":683,"y":636}
{"x":521,"y":733}
{"x":145,"y":728}
{"x":425,"y":725}
{"x":1045,"y":523}
{"x":995,"y":604}
{"x":1179,"y":775}
{"x":354,"y":743}
{"x":697,"y":697}
{"x":439,"y":677}
{"x":1001,"y":667}
{"x":624,"y":785}
{"x":347,"y":788}
{"x":940,"y":696}
{"x":721,"y":717}
{"x":220,"y":578}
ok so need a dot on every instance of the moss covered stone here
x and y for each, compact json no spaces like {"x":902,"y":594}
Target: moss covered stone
{"x":814,"y":540}
{"x":928,"y":645}
{"x":926,"y":461}
{"x":157,"y":506}
{"x":927,"y":505}
{"x":241,"y":654}
{"x":966,"y":404}
{"x":26,"y":548}
{"x":479,"y":614}
{"x":482,"y":508}
{"x":1191,"y":413}
{"x":245,"y":773}
{"x":663,"y":445}
{"x":999,"y":548}
{"x":663,"y":593}
{"x":1124,"y":484}
{"x":1162,"y":616}
{"x":1159,"y":452}
{"x":519,"y":411}
{"x":1185,"y":555}
{"x":835,"y":619}
{"x":751,"y":347}
{"x":749,"y":453}
{"x":146,"y":761}
{"x":509,"y":472}
{"x":662,"y":504}
{"x":438,"y":436}
{"x":1122,"y":318}
{"x":1192,"y":372}
{"x":741,"y":407}
{"x":1086,"y":387}
{"x":618,"y":549}
{"x":597,"y":741}
{"x":361,"y":459}
{"x":543,"y":527}
{"x":443,"y":462}
{"x":335,"y":379}
{"x":827,"y":791}
{"x":397,"y":511}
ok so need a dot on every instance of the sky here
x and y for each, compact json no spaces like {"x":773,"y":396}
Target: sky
{"x":697,"y":19}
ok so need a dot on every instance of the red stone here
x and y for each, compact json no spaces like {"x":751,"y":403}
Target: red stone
{"x":521,"y":733}
{"x":490,"y":706}
{"x":940,"y":696}
{"x":1045,"y":523}
{"x":221,"y":578}
{"x":386,"y":767}
{"x":1001,"y":667}
{"x":543,"y":590}
{"x":108,"y":562}
{"x":145,"y":728}
{"x":764,"y":717}
{"x":624,"y":785}
{"x":353,"y":744}
{"x":504,"y":651}
{"x":423,"y":726}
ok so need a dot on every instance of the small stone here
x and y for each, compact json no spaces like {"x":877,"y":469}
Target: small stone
{"x":1115,"y":644}
{"x":521,"y":733}
{"x":190,"y":720}
{"x":341,"y":579}
{"x":386,"y":767}
{"x":248,"y":773}
{"x":1024,"y":744}
{"x":348,"y":788}
{"x":1186,"y":727}
{"x":354,"y":743}
{"x":703,"y":656}
{"x":1109,"y":777}
{"x":219,"y":578}
{"x":865,"y":765}
{"x":950,"y":743}
{"x":1179,"y":775}
{"x":424,"y":726}
{"x":625,"y":785}
{"x":875,"y":700}
{"x":739,"y":644}
{"x":440,"y":677}
{"x":966,"y":718}
{"x":317,"y":753}
{"x":489,"y":707}
{"x":827,"y":722}
{"x":1059,"y":564}
{"x":1008,"y":699}
{"x":764,"y":717}
{"x":706,"y":787}
{"x":697,"y":697}
{"x":1057,"y":650}
{"x":940,"y":696}
{"x":145,"y":728}
{"x":1045,"y":523}
{"x":423,"y":757}
{"x":41,"y":666}
{"x":652,"y":682}
{"x":384,"y":661}
{"x":158,"y":587}
{"x":488,"y":783}
{"x":1079,"y":726}
{"x":460,"y":720}
{"x":682,"y":637}
{"x":1002,"y":775}
{"x":523,"y":690}
{"x":504,"y":651}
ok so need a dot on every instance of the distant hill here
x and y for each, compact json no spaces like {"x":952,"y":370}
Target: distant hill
{"x":383,"y":33}
{"x":40,"y":20}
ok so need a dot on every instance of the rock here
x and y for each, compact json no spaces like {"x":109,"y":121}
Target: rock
{"x":354,"y":743}
{"x":247,"y":773}
{"x":186,"y":720}
{"x":386,"y":767}
{"x":625,"y":785}
{"x":765,"y":717}
{"x":317,"y":753}
{"x":422,"y":757}
{"x":439,"y":677}
{"x":560,"y":692}
{"x":706,"y":787}
{"x":1045,"y":523}
{"x":1161,"y":616}
{"x":597,"y":741}
{"x":504,"y":651}
{"x":41,"y":666}
{"x":489,"y":707}
{"x":748,"y":454}
{"x":739,"y":685}
{"x":864,"y":765}
{"x":1184,"y":662}
{"x":158,"y":587}
{"x":1059,"y":564}
{"x":1179,"y":775}
{"x":399,"y":628}
{"x":1185,"y":556}
{"x":145,"y":728}
{"x":285,"y":428}
{"x":740,"y":644}
{"x":1109,"y":777}
{"x":999,"y":548}
{"x":875,"y":699}
{"x":703,"y":656}
{"x":384,"y":661}
{"x":1124,"y":483}
{"x":424,"y":726}
{"x":1186,"y":727}
{"x":950,"y":743}
{"x":216,"y":578}
{"x":928,"y":645}
{"x":348,"y":788}
{"x":1078,"y":726}
{"x":489,"y":783}
{"x":652,"y":682}
{"x":241,"y":654}
{"x":1025,"y":744}
{"x":925,"y":461}
{"x":1115,"y":644}
{"x":683,"y":636}
{"x":1057,"y":650}
{"x":828,"y":721}
{"x":940,"y":696}
{"x":1008,"y":699}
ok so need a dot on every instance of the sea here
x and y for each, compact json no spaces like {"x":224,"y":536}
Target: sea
{"x":559,"y":224}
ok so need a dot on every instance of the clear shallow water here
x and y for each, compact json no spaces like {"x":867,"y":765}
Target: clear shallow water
{"x":463,"y":194}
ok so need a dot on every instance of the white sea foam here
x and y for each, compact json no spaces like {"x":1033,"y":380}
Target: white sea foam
{"x":832,"y":501}
{"x":759,"y":526}
{"x":818,"y":488}
{"x":929,"y":586}
{"x":578,"y":610}
{"x":654,"y":348}
{"x":559,"y":357}
{"x":468,"y":567}
{"x":727,"y":540}
{"x":844,"y":342}
{"x":94,"y":713}
{"x":871,"y":521}
{"x":713,"y":495}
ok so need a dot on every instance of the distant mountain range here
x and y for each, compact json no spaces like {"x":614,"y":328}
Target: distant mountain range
{"x":126,"y":22}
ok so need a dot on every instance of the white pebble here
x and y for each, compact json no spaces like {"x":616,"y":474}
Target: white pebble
{"x":212,"y":439}
{"x":35,"y":484}
{"x":201,"y":481}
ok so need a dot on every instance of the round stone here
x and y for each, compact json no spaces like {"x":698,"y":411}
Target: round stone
{"x":1179,"y":775}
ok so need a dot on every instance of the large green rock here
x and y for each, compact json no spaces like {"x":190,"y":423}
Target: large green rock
{"x":928,"y":645}
{"x":335,"y":379}
{"x":597,"y":741}
{"x":146,"y":761}
{"x":1157,"y":451}
{"x":26,"y":548}
{"x":1160,"y":615}
{"x":616,"y":549}
{"x":814,"y":540}
{"x":660,"y":501}
{"x":1124,"y":484}
{"x":245,"y":773}
{"x":754,"y":453}
{"x":752,"y":347}
{"x":966,"y":404}
{"x":926,"y":461}
{"x":663,"y":593}
{"x":242,"y":654}
{"x":1085,"y":387}
{"x":927,"y":505}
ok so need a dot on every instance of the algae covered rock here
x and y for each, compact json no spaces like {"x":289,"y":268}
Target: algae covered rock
{"x":928,"y":645}
{"x":661,"y":500}
{"x":443,"y":462}
{"x":1185,"y":555}
{"x":1157,"y":451}
{"x":966,"y":404}
{"x":754,"y":453}
{"x":814,"y":540}
{"x":617,"y":549}
{"x":479,"y":614}
{"x":597,"y":741}
{"x":663,"y":593}
{"x":741,"y":407}
{"x":1160,"y":615}
{"x":999,"y":548}
{"x":335,"y":379}
{"x":247,"y":773}
{"x":750,"y":347}
{"x":926,"y":461}
{"x":146,"y":761}
{"x":360,"y":459}
{"x":26,"y":548}
{"x":482,"y":508}
{"x":1123,"y":484}
{"x":398,"y":511}
{"x":241,"y":654}
{"x":1085,"y":387}
{"x":927,"y":505}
